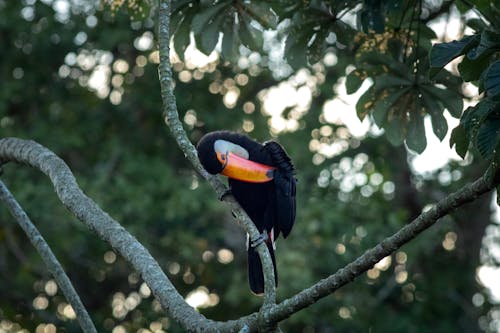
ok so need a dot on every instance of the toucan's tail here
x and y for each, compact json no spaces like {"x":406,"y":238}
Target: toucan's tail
{"x":255,"y":274}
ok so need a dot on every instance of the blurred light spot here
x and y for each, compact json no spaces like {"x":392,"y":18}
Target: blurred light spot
{"x":225,"y":256}
{"x":185,"y":76}
{"x":330,"y":59}
{"x":207,"y":256}
{"x":248,"y":126}
{"x":144,"y":290}
{"x":28,"y":13}
{"x":117,"y":80}
{"x":40,"y":302}
{"x":190,"y":118}
{"x":115,"y":97}
{"x":154,"y":57}
{"x":18,"y":73}
{"x":109,"y":257}
{"x":401,"y":277}
{"x":388,"y":187}
{"x":141,"y":61}
{"x":80,"y":38}
{"x":478,"y":299}
{"x":384,"y":263}
{"x":344,"y":313}
{"x":119,"y":329}
{"x":133,"y":278}
{"x":373,"y":273}
{"x":188,"y":277}
{"x":200,"y":298}
{"x":120,"y":66}
{"x":242,"y":79}
{"x":449,"y":241}
{"x":401,"y":257}
{"x":51,"y":288}
{"x":144,"y":42}
{"x":248,"y":107}
{"x":91,"y":21}
{"x":174,"y":268}
{"x":45,"y":328}
{"x":231,"y":97}
{"x":340,"y":248}
{"x":68,"y":312}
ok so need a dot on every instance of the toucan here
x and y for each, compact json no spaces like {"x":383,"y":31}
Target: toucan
{"x":262,"y":179}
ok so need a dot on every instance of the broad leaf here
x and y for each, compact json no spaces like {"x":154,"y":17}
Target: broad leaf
{"x":450,"y":99}
{"x":490,"y":42}
{"x":471,"y":70}
{"x":201,"y":19}
{"x":460,"y":140}
{"x":443,"y":53}
{"x":492,"y":79}
{"x":262,"y":13}
{"x":439,"y":123}
{"x":354,"y":80}
{"x":415,"y":138}
{"x":390,"y":81}
{"x":384,"y":105}
{"x":488,"y":136}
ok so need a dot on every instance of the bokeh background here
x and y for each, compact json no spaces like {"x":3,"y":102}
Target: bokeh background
{"x":82,"y":80}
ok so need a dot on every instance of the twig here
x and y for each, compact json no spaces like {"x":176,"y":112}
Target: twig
{"x":48,"y":258}
{"x":172,"y":119}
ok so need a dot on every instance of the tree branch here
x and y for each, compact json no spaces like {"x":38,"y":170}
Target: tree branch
{"x":363,"y":263}
{"x":87,"y":211}
{"x":48,"y":258}
{"x":173,"y":121}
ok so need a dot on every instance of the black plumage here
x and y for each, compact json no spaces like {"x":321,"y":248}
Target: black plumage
{"x":270,"y":205}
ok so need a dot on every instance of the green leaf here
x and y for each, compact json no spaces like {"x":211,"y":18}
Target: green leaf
{"x":385,"y":81}
{"x":416,"y":139}
{"x":365,"y":103}
{"x":439,"y":123}
{"x":488,"y":136}
{"x":262,"y":13}
{"x":471,"y":70}
{"x":295,"y":52}
{"x":210,"y":36}
{"x":354,"y":80}
{"x":459,"y":139}
{"x":448,"y":98}
{"x":230,"y":42}
{"x":384,"y":105}
{"x":201,"y":19}
{"x":181,"y":37}
{"x":474,"y":116}
{"x":394,"y":131}
{"x":250,"y":36}
{"x":492,"y":79}
{"x":489,"y":43}
{"x":443,"y":53}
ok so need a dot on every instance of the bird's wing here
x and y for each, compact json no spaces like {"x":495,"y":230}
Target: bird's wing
{"x":285,"y":187}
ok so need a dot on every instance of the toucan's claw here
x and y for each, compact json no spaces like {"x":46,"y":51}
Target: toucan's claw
{"x":225,"y":194}
{"x":259,"y":240}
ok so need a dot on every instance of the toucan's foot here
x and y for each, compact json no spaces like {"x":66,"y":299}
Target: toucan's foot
{"x":225,"y":194}
{"x":259,"y":240}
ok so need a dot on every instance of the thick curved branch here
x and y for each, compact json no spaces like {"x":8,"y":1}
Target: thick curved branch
{"x":48,"y":258}
{"x":173,"y":121}
{"x":87,"y":211}
{"x":363,"y":263}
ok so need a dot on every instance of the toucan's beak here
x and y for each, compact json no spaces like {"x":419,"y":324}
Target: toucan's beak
{"x":237,"y":167}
